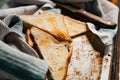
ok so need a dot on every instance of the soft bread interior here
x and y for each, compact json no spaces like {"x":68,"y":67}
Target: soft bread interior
{"x":86,"y":59}
{"x":56,"y":53}
{"x":75,"y":27}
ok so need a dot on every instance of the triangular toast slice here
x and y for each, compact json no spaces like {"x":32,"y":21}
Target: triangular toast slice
{"x":50,"y":22}
{"x":75,"y":27}
{"x":56,"y":53}
{"x":86,"y":59}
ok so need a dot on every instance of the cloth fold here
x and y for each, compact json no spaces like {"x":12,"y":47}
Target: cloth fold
{"x":20,"y":65}
{"x":73,"y":1}
{"x":15,"y":61}
{"x":11,"y":30}
{"x":110,"y":13}
{"x":35,"y":2}
{"x":18,"y":10}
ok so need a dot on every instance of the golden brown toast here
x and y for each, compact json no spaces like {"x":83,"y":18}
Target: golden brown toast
{"x":75,"y":27}
{"x":56,"y":53}
{"x":50,"y":22}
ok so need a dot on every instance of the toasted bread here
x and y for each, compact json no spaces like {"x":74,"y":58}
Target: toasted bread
{"x":75,"y":27}
{"x":85,"y":62}
{"x":51,"y":22}
{"x":28,"y":38}
{"x":56,"y":53}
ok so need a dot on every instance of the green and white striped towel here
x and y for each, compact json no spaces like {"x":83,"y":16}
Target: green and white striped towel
{"x":18,"y":61}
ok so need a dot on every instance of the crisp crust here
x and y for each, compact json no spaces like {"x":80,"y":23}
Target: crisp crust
{"x":67,"y":61}
{"x":75,"y":27}
{"x":62,"y":68}
{"x":28,"y":38}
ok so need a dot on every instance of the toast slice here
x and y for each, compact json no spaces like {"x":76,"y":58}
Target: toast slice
{"x":56,"y":53}
{"x":75,"y":27}
{"x":50,"y":22}
{"x":86,"y":61}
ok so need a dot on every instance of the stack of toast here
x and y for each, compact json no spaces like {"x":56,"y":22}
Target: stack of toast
{"x":62,"y":42}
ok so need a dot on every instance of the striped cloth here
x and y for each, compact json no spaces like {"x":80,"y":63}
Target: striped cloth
{"x":15,"y":63}
{"x":20,"y":65}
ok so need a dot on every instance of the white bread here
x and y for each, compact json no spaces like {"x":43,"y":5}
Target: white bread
{"x":56,"y":53}
{"x":75,"y":27}
{"x":85,"y":62}
{"x":51,"y":22}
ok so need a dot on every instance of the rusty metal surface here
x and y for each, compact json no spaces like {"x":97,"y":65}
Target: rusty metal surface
{"x":115,"y":75}
{"x":103,"y":71}
{"x":89,"y":60}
